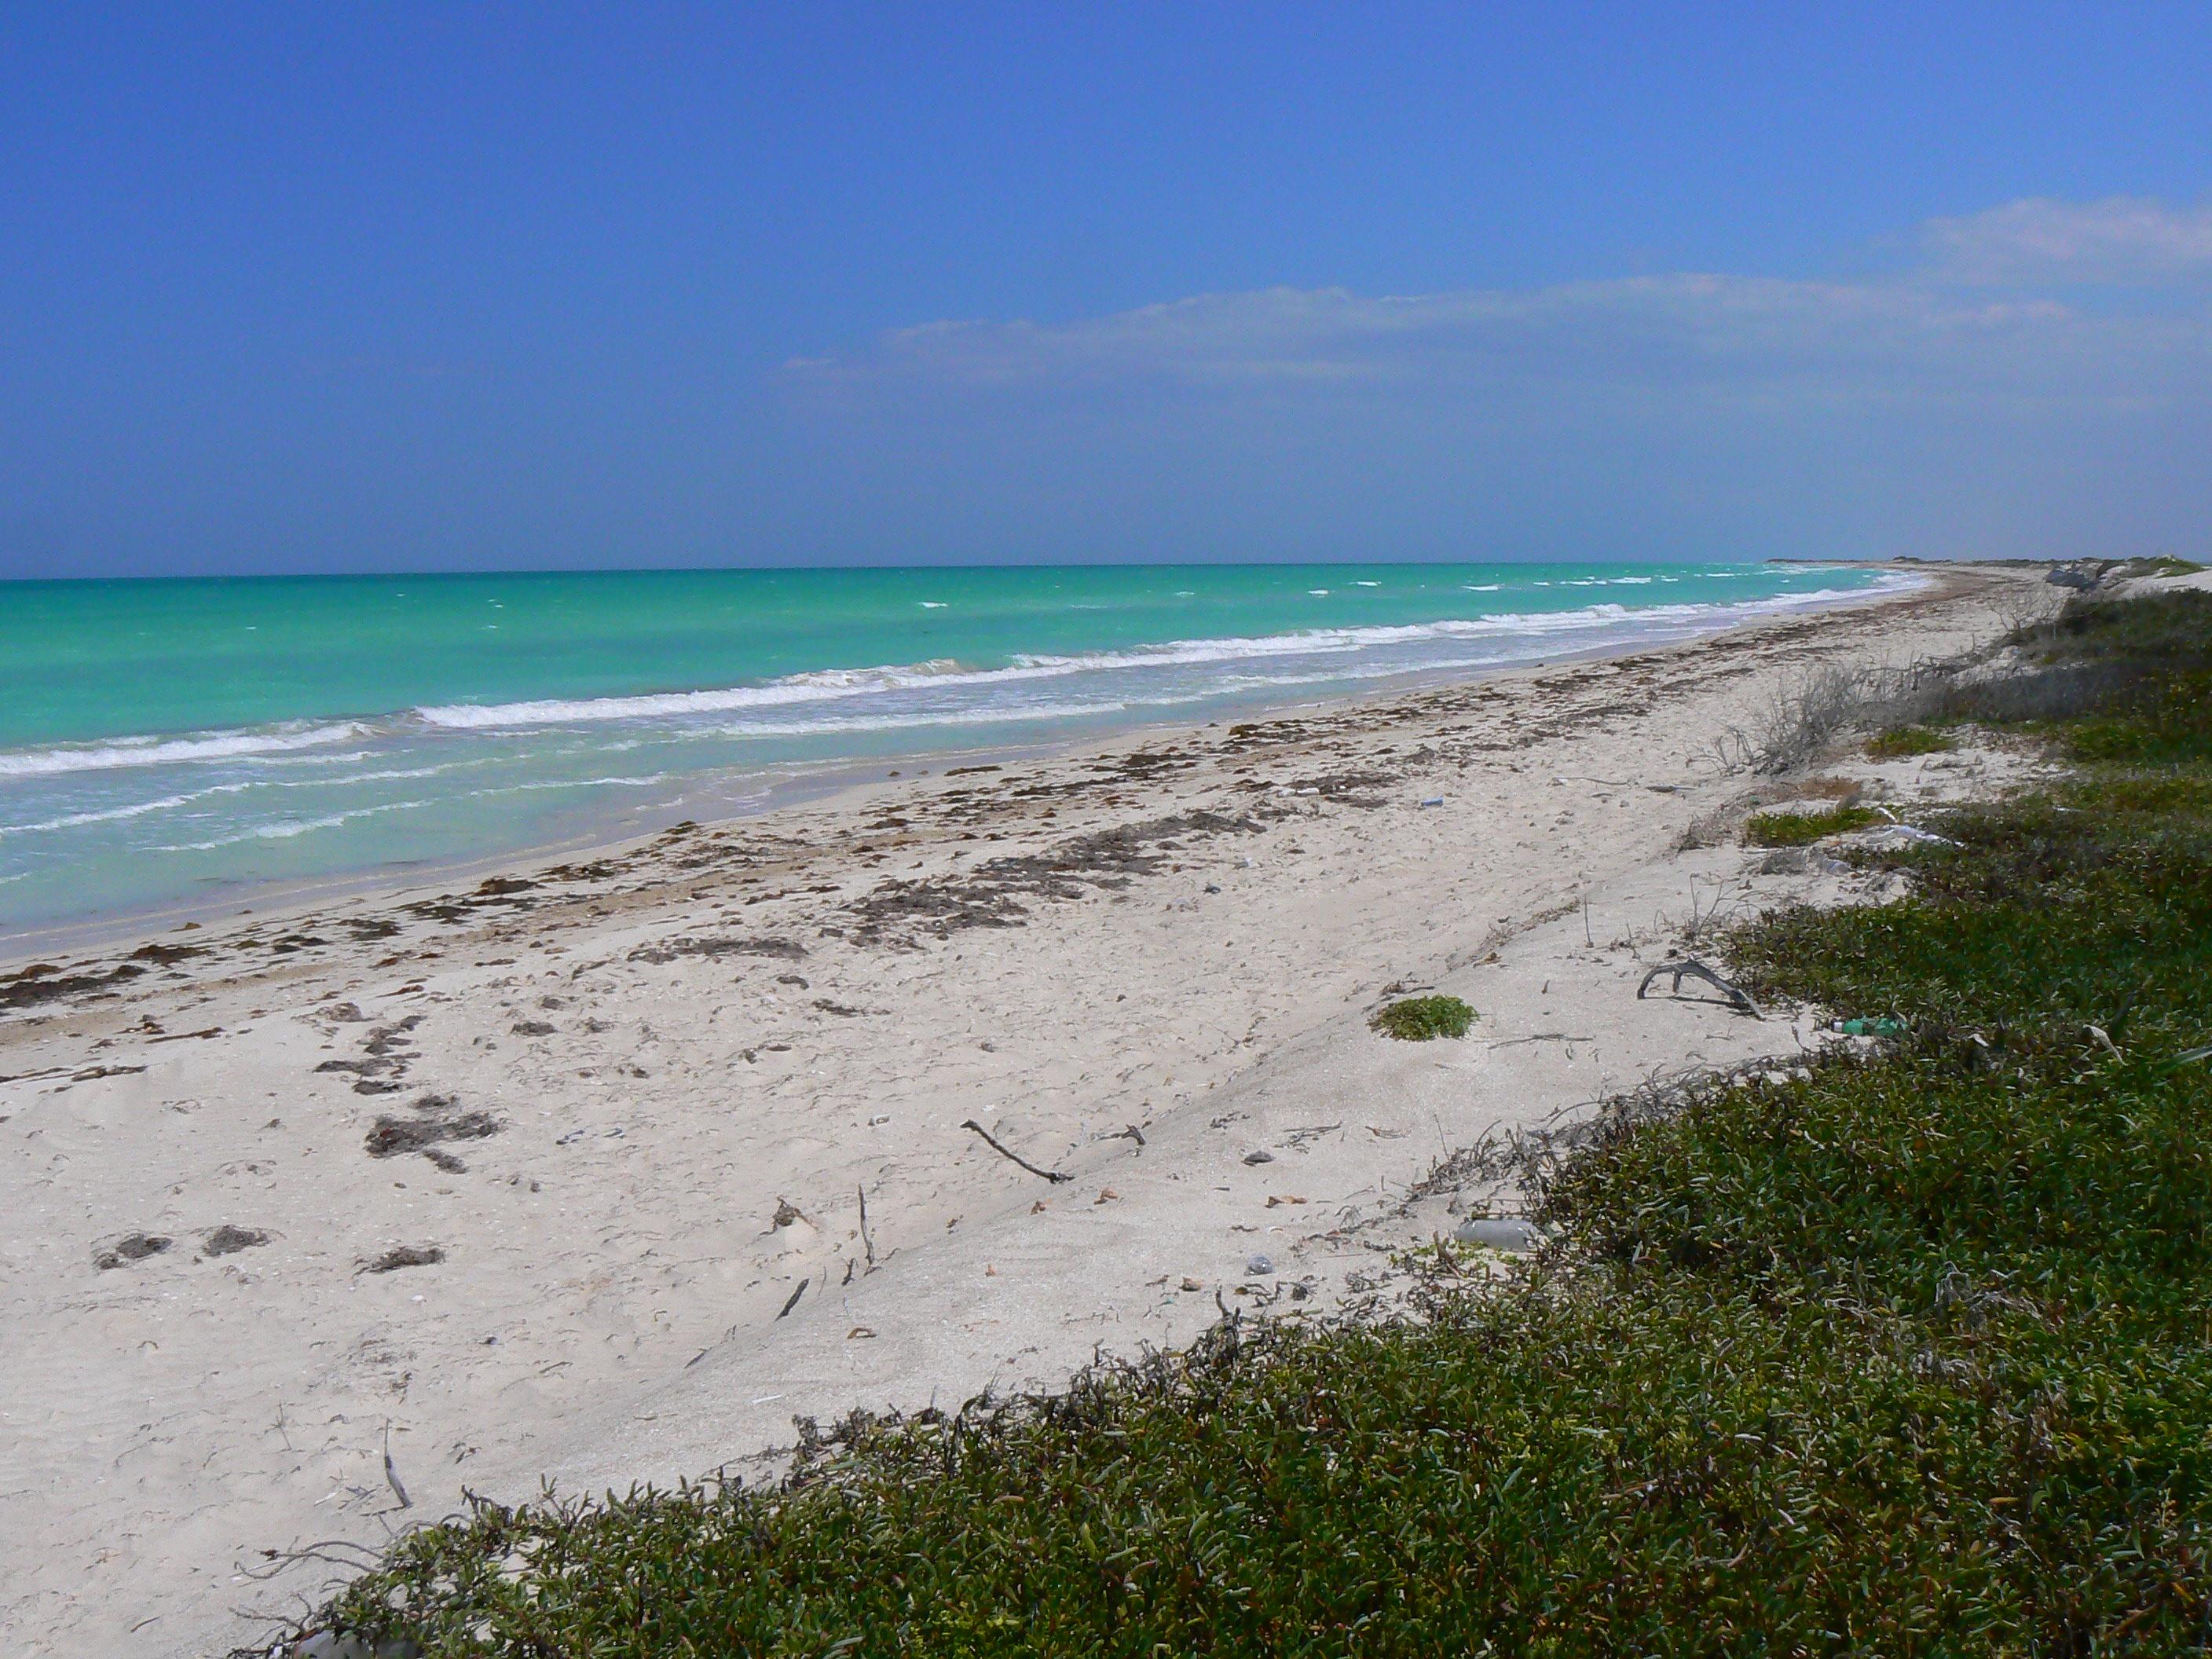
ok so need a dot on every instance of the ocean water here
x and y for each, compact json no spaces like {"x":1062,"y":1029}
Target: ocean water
{"x":181,"y":745}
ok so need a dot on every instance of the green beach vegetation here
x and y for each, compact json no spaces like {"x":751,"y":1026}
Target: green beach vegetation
{"x":1800,"y":829}
{"x":1911,"y":1355}
{"x":1902,"y":742}
{"x":1422,"y":1019}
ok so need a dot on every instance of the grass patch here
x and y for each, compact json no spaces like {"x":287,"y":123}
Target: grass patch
{"x":1418,"y":1019}
{"x":1784,"y":829}
{"x":1911,"y":1358}
{"x":1901,"y":742}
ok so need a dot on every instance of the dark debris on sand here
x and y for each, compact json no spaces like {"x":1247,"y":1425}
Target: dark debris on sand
{"x":131,"y":1246}
{"x":992,"y":894}
{"x":435,"y":1122}
{"x":781,"y":950}
{"x":406,"y":1255}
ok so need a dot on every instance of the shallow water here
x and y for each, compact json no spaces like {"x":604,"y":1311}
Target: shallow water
{"x":173,"y":744}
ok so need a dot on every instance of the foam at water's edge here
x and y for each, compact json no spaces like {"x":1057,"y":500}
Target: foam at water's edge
{"x":845,"y":682}
{"x":161,"y":751}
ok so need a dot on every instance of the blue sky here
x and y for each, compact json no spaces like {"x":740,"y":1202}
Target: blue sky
{"x":354,"y":287}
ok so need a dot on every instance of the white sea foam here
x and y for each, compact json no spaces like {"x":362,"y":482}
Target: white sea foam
{"x":109,"y":815}
{"x":812,"y":687}
{"x":624,"y":781}
{"x":288,"y":829}
{"x":843,"y":683}
{"x":972,"y":714}
{"x":140,"y":809}
{"x":164,"y":752}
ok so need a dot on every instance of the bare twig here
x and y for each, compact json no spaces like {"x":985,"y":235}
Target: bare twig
{"x":867,"y":1244}
{"x":990,"y":1141}
{"x":283,"y":1561}
{"x":1679,"y":966}
{"x":795,"y":1295}
{"x":391,"y":1474}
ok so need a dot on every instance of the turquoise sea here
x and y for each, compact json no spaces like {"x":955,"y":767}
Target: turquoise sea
{"x":181,"y":744}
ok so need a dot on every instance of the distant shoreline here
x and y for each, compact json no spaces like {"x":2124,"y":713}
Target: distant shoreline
{"x":787,"y":788}
{"x":739,"y":792}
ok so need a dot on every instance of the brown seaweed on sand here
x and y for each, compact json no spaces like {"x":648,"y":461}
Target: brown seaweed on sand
{"x":131,"y":1246}
{"x":435,"y":1122}
{"x":406,"y":1255}
{"x":783,"y":950}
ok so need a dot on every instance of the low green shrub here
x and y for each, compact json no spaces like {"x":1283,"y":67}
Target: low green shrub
{"x":1418,"y":1019}
{"x":1901,"y":742}
{"x":1794,"y":828}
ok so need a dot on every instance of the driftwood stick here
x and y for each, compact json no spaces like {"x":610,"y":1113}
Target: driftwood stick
{"x":866,"y":1243}
{"x":795,"y":1295}
{"x":283,"y":1561}
{"x":1677,"y":966}
{"x":391,"y":1474}
{"x":992,"y":1142}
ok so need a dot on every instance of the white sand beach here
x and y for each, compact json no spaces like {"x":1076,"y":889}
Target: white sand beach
{"x":561,"y":1175}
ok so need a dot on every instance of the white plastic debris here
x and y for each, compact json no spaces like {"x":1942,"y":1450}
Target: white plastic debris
{"x":1502,"y":1232}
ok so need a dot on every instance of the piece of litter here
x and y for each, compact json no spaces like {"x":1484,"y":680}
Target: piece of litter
{"x":1498,"y":1233}
{"x":1259,"y":1158}
{"x":1257,"y":1265}
{"x":1434,"y":800}
{"x":858,"y":1333}
{"x":1274,"y":1199}
{"x":1909,"y":832}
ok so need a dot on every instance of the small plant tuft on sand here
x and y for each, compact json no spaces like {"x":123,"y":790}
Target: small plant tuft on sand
{"x":1801,"y":828}
{"x":1418,"y":1019}
{"x":1900,"y":742}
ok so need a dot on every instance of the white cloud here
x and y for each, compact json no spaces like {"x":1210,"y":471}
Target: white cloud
{"x":1934,"y":409}
{"x":2123,"y":240}
{"x":1692,"y":335}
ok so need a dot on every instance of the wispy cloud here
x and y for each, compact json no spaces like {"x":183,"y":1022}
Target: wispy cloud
{"x":1935,"y":331}
{"x":2040,"y":374}
{"x":2125,"y":240}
